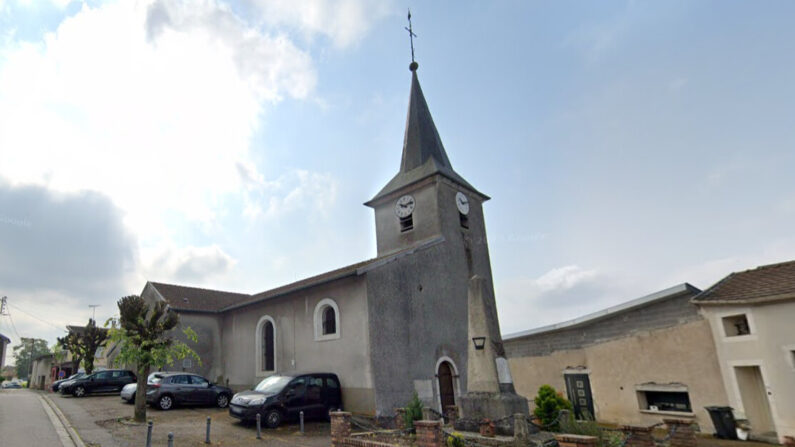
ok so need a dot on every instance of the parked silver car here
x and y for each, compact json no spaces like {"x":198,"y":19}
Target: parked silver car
{"x":128,"y":392}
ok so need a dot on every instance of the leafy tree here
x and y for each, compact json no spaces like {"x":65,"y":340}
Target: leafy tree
{"x":71,"y":342}
{"x":83,"y":344}
{"x":549,"y":403}
{"x":145,"y":338}
{"x":25,"y":352}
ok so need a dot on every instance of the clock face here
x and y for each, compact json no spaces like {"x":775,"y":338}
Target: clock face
{"x":404,"y":206}
{"x":462,"y":203}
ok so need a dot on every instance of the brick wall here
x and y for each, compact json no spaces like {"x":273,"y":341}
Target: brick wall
{"x":429,"y":433}
{"x":683,"y":434}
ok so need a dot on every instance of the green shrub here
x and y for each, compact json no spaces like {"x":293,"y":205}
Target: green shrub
{"x":455,"y":440}
{"x":549,"y":402}
{"x":413,"y":411}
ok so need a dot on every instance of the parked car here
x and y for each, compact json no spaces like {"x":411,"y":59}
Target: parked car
{"x":128,"y":392}
{"x":284,"y":396}
{"x":11,"y":385}
{"x":107,"y":381}
{"x":172,"y":389}
{"x":55,"y":385}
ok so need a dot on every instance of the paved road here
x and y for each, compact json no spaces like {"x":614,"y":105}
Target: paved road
{"x":27,"y":421}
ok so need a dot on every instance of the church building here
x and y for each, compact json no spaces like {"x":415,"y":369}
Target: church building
{"x":389,"y":326}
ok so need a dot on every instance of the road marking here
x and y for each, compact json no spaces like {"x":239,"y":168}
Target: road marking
{"x":61,"y":424}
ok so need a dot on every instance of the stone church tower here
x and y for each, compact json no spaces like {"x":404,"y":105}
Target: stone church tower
{"x":429,"y":203}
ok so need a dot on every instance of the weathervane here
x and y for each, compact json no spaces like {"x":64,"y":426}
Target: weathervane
{"x":414,"y":64}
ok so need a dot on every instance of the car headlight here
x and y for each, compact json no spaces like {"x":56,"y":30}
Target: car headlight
{"x":257,"y":401}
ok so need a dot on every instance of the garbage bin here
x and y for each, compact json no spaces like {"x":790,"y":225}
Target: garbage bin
{"x":723,"y":420}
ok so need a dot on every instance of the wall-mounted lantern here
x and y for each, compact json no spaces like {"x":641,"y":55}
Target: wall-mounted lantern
{"x":480,"y":342}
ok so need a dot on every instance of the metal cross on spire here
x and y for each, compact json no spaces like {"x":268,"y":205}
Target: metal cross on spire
{"x":414,"y":64}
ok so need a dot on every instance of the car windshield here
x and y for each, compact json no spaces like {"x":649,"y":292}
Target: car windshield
{"x":154,"y":378}
{"x":76,"y":376}
{"x":273,"y":384}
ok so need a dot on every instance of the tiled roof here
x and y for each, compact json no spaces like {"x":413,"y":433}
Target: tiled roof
{"x":767,"y":283}
{"x":197,"y":299}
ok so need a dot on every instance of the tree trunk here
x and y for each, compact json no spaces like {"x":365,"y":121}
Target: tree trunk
{"x":140,"y":394}
{"x":89,"y":365}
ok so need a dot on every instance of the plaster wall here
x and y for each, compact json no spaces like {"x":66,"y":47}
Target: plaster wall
{"x":770,"y":346}
{"x":679,"y":354}
{"x":208,"y":331}
{"x":425,"y":218}
{"x":296,"y":347}
{"x":40,"y":373}
{"x":2,"y":353}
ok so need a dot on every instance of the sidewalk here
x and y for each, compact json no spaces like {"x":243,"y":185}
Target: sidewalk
{"x":91,"y":434}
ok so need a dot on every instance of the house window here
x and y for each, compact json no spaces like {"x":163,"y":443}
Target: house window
{"x":327,"y":320}
{"x":406,"y":223}
{"x":665,"y":401}
{"x":464,"y":219}
{"x":736,"y":325}
{"x":266,"y":346}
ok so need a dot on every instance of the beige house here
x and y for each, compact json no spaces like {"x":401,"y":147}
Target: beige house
{"x":634,"y":363}
{"x":752,"y":316}
{"x":41,"y":372}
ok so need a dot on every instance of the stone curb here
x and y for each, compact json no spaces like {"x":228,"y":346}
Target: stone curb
{"x":69,"y":429}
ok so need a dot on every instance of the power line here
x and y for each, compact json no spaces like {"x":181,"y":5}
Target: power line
{"x":37,"y":318}
{"x":14,"y":326}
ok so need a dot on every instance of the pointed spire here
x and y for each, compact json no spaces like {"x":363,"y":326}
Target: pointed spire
{"x":421,"y":141}
{"x":423,"y":152}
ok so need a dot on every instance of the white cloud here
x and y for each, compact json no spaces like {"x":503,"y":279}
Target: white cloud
{"x":345,"y":22}
{"x":153,"y":108}
{"x":195,"y":265}
{"x":564,"y":278}
{"x":310,"y":192}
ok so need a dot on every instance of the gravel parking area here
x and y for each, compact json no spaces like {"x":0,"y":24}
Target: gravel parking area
{"x":188,"y":425}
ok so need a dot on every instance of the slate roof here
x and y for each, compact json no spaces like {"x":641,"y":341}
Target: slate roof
{"x":5,"y":339}
{"x":197,"y":299}
{"x":423,"y":151}
{"x":763,"y":284}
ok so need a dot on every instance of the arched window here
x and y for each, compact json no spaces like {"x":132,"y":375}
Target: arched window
{"x":266,"y":346}
{"x":268,"y":358}
{"x":327,"y":320}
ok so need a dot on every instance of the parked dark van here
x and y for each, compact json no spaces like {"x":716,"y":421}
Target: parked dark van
{"x":283,"y":396}
{"x":105,"y":381}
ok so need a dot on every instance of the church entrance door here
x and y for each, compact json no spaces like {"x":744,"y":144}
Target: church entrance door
{"x":446,"y":390}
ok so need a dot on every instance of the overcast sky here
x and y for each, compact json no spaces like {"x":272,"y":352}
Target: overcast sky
{"x":628,"y":146}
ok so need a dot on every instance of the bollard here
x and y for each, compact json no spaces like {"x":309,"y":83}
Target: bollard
{"x":301,"y":419}
{"x":259,"y":427}
{"x":170,"y":439}
{"x":207,"y":436}
{"x":149,"y":434}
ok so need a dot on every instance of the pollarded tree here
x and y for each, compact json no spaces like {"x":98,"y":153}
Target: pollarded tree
{"x":83,"y":343}
{"x":145,"y":338}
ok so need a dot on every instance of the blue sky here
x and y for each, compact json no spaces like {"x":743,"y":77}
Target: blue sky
{"x":627,"y":146}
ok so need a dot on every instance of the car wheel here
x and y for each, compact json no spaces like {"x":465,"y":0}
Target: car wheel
{"x":273,"y":418}
{"x":131,"y":399}
{"x":222,"y":401}
{"x":79,"y":391}
{"x":165,"y":402}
